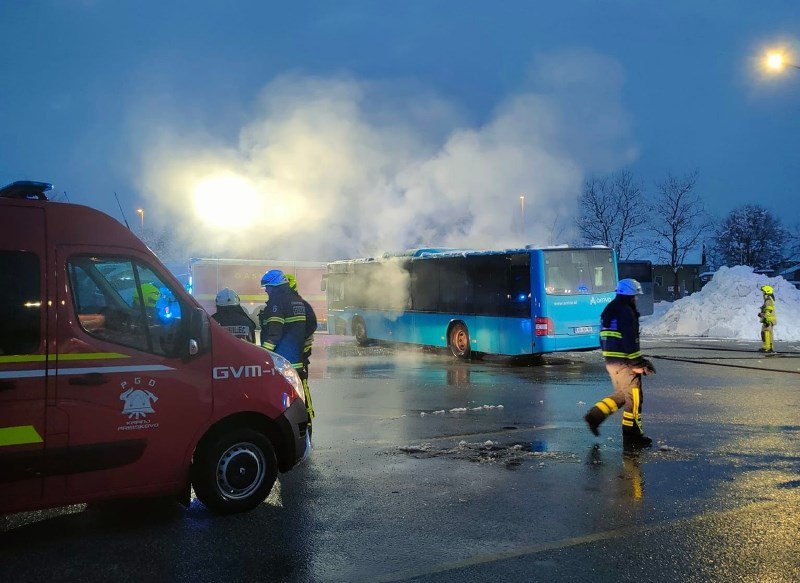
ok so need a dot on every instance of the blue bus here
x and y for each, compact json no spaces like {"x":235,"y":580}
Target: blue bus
{"x":512,"y":302}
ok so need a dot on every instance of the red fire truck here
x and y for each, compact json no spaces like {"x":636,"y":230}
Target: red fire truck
{"x":114,"y":382}
{"x":208,"y":276}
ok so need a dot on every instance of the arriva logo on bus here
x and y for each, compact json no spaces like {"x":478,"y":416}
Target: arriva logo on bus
{"x":600,"y":299}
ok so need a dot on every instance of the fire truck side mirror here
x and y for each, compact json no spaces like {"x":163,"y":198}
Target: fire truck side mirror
{"x":199,"y":335}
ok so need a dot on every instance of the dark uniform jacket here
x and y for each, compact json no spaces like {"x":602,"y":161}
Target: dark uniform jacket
{"x":619,"y":332}
{"x":236,"y":321}
{"x":283,"y":324}
{"x":311,"y":327}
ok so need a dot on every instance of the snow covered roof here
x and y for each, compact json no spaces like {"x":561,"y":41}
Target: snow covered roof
{"x":790,"y":270}
{"x":425,"y":253}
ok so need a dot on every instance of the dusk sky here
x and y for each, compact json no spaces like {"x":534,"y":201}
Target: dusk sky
{"x":99,"y":96}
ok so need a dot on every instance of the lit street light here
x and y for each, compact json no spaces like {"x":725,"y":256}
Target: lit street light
{"x":141,"y":214}
{"x":775,"y":62}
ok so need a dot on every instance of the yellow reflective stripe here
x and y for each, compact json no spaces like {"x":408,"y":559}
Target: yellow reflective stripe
{"x":14,"y":358}
{"x":627,"y":415}
{"x":611,"y":404}
{"x":268,"y":345}
{"x":636,"y":405}
{"x":603,"y":407}
{"x":631,"y":355}
{"x":291,"y":319}
{"x":19,"y":435}
{"x":627,"y":423}
{"x":297,"y":364}
{"x":275,"y":319}
{"x":610,"y":334}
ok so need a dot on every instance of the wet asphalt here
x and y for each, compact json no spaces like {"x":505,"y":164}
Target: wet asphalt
{"x":426,"y":469}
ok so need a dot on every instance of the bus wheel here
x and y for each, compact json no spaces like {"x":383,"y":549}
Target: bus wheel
{"x":458,"y":340}
{"x":235,"y":472}
{"x":360,"y":332}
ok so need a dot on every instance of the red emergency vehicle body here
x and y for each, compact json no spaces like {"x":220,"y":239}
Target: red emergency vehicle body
{"x":103,"y":395}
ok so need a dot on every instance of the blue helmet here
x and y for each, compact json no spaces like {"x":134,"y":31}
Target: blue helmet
{"x":273,"y":277}
{"x":629,"y":287}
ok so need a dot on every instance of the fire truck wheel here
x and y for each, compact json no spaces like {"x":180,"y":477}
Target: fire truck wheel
{"x":234,"y":472}
{"x":458,"y":340}
{"x":360,"y":331}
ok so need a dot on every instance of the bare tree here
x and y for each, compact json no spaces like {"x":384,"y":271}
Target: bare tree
{"x":793,"y":243}
{"x":678,"y":220}
{"x":612,"y":210}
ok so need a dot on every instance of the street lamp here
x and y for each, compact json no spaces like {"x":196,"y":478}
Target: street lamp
{"x":775,"y":62}
{"x":141,"y":214}
{"x":522,"y":215}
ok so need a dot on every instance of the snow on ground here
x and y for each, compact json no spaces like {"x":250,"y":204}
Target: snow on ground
{"x":727,"y":307}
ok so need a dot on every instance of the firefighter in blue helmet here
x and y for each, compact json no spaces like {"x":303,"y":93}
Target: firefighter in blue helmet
{"x":619,"y":340}
{"x":283,"y":319}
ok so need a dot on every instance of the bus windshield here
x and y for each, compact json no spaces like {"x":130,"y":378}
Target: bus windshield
{"x":579,"y":271}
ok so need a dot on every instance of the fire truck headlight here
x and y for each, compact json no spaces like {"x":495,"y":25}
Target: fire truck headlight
{"x":288,"y":372}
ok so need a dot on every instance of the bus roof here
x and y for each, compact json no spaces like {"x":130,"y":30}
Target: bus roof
{"x":277,"y":262}
{"x":428,"y":253}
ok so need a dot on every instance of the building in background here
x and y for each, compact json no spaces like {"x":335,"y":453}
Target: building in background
{"x":689,"y":281}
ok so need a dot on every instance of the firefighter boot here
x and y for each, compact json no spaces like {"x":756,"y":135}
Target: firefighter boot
{"x":598,"y":414}
{"x":632,"y":440}
{"x":593,"y":421}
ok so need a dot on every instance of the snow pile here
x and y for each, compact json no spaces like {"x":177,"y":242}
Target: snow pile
{"x":727,"y":307}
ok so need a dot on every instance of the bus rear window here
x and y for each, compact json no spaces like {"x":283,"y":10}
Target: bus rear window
{"x":579,"y":271}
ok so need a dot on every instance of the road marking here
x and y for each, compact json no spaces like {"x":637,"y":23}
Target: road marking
{"x":528,"y":550}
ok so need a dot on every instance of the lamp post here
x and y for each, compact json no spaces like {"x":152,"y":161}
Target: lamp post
{"x":141,"y":214}
{"x":522,"y":215}
{"x":775,"y":62}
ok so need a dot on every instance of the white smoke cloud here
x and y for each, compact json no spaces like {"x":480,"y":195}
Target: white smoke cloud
{"x":337,"y":167}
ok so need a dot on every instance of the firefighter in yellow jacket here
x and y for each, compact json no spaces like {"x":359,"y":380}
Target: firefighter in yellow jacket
{"x":619,"y":340}
{"x":768,"y":319}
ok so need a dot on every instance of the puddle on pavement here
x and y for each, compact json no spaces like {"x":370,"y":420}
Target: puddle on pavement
{"x":509,"y":455}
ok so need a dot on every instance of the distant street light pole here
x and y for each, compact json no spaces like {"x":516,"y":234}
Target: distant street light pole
{"x":141,"y":214}
{"x":522,"y":216}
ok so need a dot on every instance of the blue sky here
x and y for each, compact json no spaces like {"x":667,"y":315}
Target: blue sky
{"x":81,"y":78}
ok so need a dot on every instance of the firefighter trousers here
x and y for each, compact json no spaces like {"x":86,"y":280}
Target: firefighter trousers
{"x":627,"y":396}
{"x":303,"y":374}
{"x":767,"y":337}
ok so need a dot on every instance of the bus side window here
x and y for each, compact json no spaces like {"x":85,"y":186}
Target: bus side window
{"x":520,"y":286}
{"x":425,"y":282}
{"x":489,"y":276}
